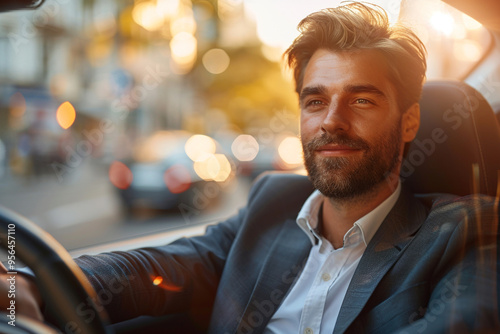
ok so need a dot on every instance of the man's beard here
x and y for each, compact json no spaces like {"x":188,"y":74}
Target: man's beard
{"x":345,"y":178}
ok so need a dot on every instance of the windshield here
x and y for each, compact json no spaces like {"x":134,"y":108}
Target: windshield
{"x":120,"y":118}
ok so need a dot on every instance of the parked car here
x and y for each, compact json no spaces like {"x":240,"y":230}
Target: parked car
{"x":170,"y":168}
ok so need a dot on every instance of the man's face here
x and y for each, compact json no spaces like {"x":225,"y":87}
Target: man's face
{"x":350,"y":123}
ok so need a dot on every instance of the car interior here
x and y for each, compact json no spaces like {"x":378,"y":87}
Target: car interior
{"x":456,"y":151}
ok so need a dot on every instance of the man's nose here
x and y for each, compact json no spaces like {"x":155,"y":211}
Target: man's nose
{"x":336,"y":118}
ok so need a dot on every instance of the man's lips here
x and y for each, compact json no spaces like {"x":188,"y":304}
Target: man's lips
{"x":336,"y":150}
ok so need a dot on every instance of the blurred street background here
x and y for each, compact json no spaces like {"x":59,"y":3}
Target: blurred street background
{"x":122,"y":118}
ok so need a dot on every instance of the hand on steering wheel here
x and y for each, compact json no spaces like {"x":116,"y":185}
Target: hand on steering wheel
{"x":27,"y":298}
{"x":63,"y":287}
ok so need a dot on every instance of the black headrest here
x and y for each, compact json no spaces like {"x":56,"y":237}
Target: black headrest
{"x":457,"y":149}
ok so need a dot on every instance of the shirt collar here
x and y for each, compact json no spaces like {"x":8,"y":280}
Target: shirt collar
{"x":307,"y":218}
{"x":308,"y":215}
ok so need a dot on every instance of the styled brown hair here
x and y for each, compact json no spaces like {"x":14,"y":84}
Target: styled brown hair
{"x":358,"y":26}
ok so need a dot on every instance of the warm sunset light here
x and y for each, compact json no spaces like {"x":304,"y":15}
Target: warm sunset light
{"x":442,"y":22}
{"x":120,"y":175}
{"x":158,"y":280}
{"x":467,"y":50}
{"x":66,"y":115}
{"x":177,"y":178}
{"x":470,"y":23}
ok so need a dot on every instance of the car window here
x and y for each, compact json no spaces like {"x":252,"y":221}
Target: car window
{"x":123,"y":118}
{"x":455,"y":42}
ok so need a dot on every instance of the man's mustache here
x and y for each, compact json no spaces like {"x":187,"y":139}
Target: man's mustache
{"x":339,"y":139}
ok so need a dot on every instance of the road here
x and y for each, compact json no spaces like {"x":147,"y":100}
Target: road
{"x":83,"y":210}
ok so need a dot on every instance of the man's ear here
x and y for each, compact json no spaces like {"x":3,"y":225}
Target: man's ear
{"x":410,"y":123}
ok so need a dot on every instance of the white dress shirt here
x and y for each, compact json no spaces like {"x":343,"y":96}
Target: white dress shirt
{"x":313,"y":303}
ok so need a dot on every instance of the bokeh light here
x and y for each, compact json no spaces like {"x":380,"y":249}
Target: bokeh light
{"x":183,"y":47}
{"x":290,"y":150}
{"x":147,"y":16}
{"x":200,"y":147}
{"x":219,"y":167}
{"x":177,"y":178}
{"x":245,"y":148}
{"x":66,"y":115}
{"x":168,"y":8}
{"x":216,"y":61}
{"x":181,"y":24}
{"x":120,"y":175}
{"x":216,"y":167}
{"x":201,"y":169}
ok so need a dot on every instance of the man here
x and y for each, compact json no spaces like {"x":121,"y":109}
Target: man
{"x":352,"y":252}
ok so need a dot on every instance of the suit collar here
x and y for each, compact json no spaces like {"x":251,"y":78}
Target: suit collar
{"x":281,"y":268}
{"x":388,"y":243}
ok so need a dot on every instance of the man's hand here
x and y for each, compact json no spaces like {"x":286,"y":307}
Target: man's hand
{"x":27,"y":297}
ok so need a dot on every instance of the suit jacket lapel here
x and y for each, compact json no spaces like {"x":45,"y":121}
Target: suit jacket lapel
{"x":394,"y":234}
{"x":281,"y":267}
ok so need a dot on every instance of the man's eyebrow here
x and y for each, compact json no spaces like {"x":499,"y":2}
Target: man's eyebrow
{"x":365,"y":88}
{"x":322,"y":90}
{"x":311,"y":90}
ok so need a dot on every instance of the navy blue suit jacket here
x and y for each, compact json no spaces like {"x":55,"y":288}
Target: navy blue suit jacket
{"x":431,"y":267}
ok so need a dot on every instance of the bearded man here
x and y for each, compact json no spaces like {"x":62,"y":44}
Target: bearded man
{"x":348,"y":249}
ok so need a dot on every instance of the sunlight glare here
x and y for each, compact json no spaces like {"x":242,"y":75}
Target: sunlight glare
{"x":442,"y":22}
{"x":467,"y":50}
{"x":470,"y":23}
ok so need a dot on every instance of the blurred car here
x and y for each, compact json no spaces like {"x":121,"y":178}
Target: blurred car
{"x":169,"y":170}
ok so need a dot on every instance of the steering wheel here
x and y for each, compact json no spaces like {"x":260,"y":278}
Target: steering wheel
{"x":62,"y":284}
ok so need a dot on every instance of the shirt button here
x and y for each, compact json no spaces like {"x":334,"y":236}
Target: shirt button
{"x":326,"y":277}
{"x":308,"y":331}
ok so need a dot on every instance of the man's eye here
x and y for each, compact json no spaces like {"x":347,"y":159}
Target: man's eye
{"x":362,"y":101}
{"x":314,"y":103}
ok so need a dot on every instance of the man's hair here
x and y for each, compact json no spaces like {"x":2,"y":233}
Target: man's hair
{"x":357,"y":26}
